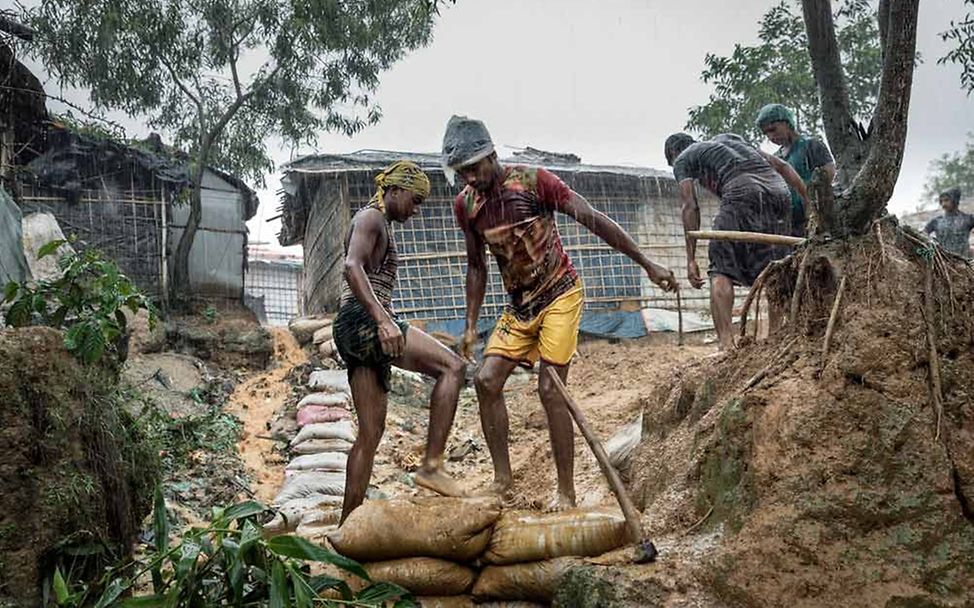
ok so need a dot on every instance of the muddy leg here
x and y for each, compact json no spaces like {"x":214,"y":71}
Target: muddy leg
{"x":721,"y":307}
{"x":489,"y":382}
{"x":562,"y":435}
{"x":426,"y":355}
{"x":370,"y":405}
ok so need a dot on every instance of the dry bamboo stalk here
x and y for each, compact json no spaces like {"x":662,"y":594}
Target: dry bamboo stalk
{"x":749,"y":237}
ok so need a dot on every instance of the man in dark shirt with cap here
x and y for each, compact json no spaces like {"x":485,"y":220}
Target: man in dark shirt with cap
{"x":953,"y":228}
{"x":753,"y":198}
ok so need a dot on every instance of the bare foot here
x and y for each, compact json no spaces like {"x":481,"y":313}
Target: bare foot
{"x":561,"y":502}
{"x":504,"y":489}
{"x":437,"y":481}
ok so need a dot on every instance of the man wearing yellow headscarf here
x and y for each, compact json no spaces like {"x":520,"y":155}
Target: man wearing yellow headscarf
{"x":371,"y":338}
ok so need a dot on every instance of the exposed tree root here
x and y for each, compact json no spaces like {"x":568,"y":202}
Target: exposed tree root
{"x":796,"y":297}
{"x":757,"y":286}
{"x":936,"y":387}
{"x":832,"y":319}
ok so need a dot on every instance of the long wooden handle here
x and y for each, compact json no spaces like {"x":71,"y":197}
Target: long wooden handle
{"x":749,"y":237}
{"x":615,"y":483}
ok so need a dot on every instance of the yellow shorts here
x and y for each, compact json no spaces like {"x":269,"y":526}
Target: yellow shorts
{"x":551,"y":336}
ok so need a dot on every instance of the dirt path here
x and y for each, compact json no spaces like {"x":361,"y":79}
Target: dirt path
{"x":608,"y":380}
{"x":254,"y":402}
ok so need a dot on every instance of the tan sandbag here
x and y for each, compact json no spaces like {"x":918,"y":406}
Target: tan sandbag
{"x":327,"y":349}
{"x":318,"y":534}
{"x":512,"y":605}
{"x":319,"y":446}
{"x":322,"y":335}
{"x":456,"y":601}
{"x":325,"y":430}
{"x":534,"y":581}
{"x":424,"y":575}
{"x":529,"y":537}
{"x":457,"y":529}
{"x":304,"y":328}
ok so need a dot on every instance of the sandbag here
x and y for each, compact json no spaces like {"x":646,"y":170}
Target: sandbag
{"x":456,"y":601}
{"x":315,"y":414}
{"x":529,"y":537}
{"x":533,"y":581}
{"x":318,"y":446}
{"x":327,"y":349}
{"x":325,"y":430}
{"x":620,"y":447}
{"x":330,"y":381}
{"x":423,"y":575}
{"x":333,"y":399}
{"x":326,"y":461}
{"x":292,"y":513}
{"x":311,"y":483}
{"x":303,"y":328}
{"x":457,"y":529}
{"x":514,"y":604}
{"x":322,"y":335}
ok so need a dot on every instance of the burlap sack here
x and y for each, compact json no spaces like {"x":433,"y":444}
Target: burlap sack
{"x":534,"y":581}
{"x":315,"y":414}
{"x":456,"y":601}
{"x":424,"y":575}
{"x":457,"y":529}
{"x":310,"y":483}
{"x":325,"y":461}
{"x":529,"y":537}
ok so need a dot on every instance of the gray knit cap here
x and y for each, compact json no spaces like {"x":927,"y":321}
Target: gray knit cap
{"x":465,"y":142}
{"x":953,"y":194}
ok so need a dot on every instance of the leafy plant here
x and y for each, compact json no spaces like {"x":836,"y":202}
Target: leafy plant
{"x":210,"y":314}
{"x":231,"y":563}
{"x":88,"y":299}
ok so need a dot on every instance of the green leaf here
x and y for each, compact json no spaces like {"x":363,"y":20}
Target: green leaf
{"x":279,"y":595}
{"x":145,"y":601}
{"x":61,"y":592}
{"x":244,"y":510}
{"x":112,"y":592}
{"x":160,"y":532}
{"x":323,"y":581}
{"x":49,"y":248}
{"x":10,"y":291}
{"x":188,"y":555}
{"x":297,"y":547}
{"x":19,"y":313}
{"x":302,"y":590}
{"x":381,"y":592}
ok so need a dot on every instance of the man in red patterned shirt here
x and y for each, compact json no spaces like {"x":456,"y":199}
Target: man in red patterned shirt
{"x":511,"y":210}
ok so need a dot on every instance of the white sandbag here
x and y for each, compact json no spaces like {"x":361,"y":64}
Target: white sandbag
{"x":293,"y":512}
{"x":322,"y":335}
{"x":326,"y":461}
{"x":325,"y":430}
{"x":318,"y":446}
{"x":329,"y":399}
{"x":330,"y":381}
{"x":327,"y":349}
{"x":622,"y":445}
{"x":311,"y":483}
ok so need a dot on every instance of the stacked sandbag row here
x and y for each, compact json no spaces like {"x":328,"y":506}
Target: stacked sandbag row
{"x":315,"y":332}
{"x":311,"y":498}
{"x":461,"y":551}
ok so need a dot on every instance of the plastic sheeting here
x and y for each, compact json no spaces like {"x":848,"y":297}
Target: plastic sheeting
{"x":13,"y":264}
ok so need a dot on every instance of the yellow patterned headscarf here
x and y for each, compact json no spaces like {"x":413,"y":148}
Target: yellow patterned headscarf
{"x":404,"y":174}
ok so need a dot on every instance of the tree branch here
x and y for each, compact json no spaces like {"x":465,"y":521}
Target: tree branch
{"x":874,"y":184}
{"x":182,"y":86}
{"x":883,"y":17}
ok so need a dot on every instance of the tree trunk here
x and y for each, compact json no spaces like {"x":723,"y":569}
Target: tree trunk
{"x":181,"y":286}
{"x":867,"y":169}
{"x":844,"y":136}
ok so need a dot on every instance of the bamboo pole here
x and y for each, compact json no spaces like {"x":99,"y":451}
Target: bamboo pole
{"x":749,"y":237}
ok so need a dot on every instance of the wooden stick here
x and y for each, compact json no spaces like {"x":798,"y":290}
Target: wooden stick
{"x":832,"y":319}
{"x":615,"y":483}
{"x":679,"y":317}
{"x":749,"y":237}
{"x":796,"y":297}
{"x":760,"y":375}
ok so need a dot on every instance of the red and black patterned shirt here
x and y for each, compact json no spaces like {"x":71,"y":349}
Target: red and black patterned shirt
{"x":517,"y":221}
